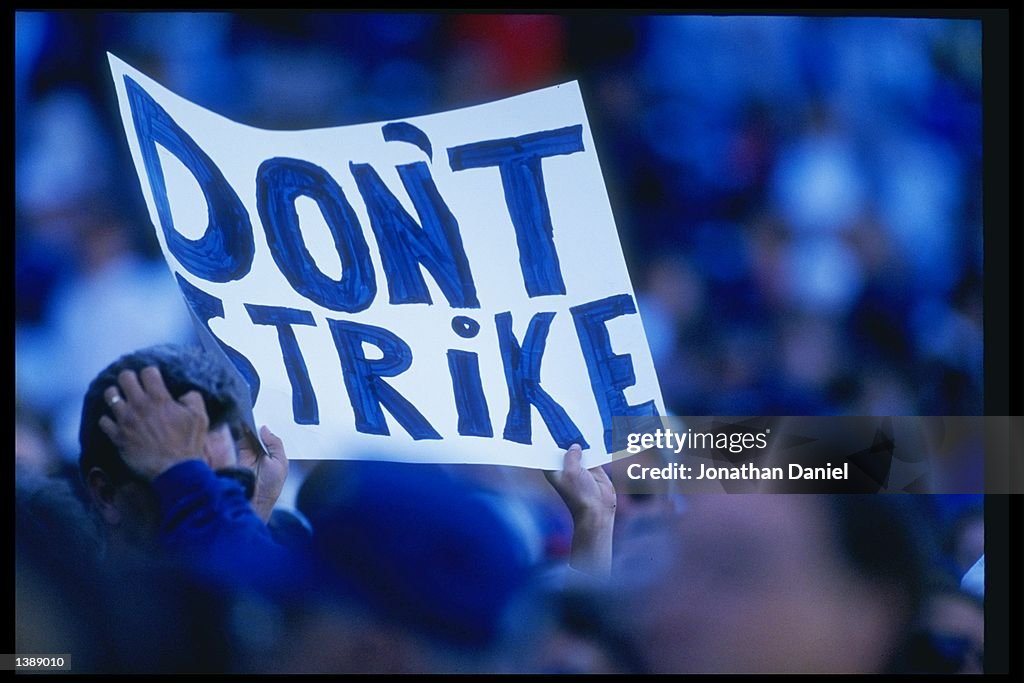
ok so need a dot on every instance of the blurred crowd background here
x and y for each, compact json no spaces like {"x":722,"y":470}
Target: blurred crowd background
{"x":798,"y":198}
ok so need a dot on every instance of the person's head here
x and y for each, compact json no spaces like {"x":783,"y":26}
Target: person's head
{"x":783,"y":583}
{"x":122,"y":498}
{"x":420,"y":546}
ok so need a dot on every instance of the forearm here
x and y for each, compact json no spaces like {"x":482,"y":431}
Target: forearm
{"x":592,"y":543}
{"x":263,"y":507}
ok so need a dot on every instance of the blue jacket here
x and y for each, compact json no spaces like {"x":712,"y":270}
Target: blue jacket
{"x":208,"y":527}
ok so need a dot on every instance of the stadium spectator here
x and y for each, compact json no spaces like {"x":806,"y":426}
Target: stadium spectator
{"x":781,"y":583}
{"x":161,"y":464}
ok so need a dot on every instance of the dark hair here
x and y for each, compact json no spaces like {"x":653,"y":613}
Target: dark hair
{"x":889,"y":541}
{"x":183,"y":369}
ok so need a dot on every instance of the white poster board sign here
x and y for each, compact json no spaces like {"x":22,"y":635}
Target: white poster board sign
{"x":443,"y":288}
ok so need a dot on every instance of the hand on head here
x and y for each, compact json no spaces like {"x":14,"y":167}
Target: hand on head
{"x":153,"y":430}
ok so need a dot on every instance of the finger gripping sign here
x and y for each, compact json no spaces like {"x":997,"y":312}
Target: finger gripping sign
{"x":441,"y":288}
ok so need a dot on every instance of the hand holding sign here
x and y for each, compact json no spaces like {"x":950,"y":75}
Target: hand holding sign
{"x":590,"y":497}
{"x":271,"y":469}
